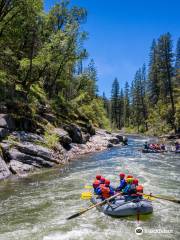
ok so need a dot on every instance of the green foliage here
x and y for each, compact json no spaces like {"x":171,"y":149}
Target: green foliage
{"x":152,"y":104}
{"x":157,"y":120}
{"x":95,"y":112}
{"x":51,"y":139}
{"x":39,"y":62}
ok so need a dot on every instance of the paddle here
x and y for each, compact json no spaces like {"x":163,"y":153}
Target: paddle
{"x":161,"y":197}
{"x":86,"y":195}
{"x":88,"y":187}
{"x":91,"y":207}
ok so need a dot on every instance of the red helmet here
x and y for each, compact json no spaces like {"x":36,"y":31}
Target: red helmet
{"x":98,"y":177}
{"x":135,"y":181}
{"x":122,"y":175}
{"x":103,"y":180}
{"x":139,"y":188}
{"x":95,"y":184}
{"x":129,"y":176}
{"x":107,"y":182}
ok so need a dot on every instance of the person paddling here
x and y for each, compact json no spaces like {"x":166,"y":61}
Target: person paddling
{"x":146,"y":146}
{"x":177,"y":146}
{"x":102,"y":181}
{"x":134,"y":185}
{"x":105,"y":190}
{"x":122,"y":182}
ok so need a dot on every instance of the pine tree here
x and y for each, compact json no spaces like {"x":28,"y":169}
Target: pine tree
{"x":177,"y":64}
{"x":106,"y":104}
{"x":143,"y":94}
{"x":153,"y":81}
{"x":121,"y":110}
{"x":115,"y":102}
{"x":126,"y":105}
{"x":165,"y":65}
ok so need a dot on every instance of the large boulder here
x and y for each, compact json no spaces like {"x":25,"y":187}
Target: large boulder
{"x":114,"y":140}
{"x":86,"y":137}
{"x":27,"y":136}
{"x":63,"y":135}
{"x":20,"y":168}
{"x":74,"y":133}
{"x":3,"y":133}
{"x":4,"y":170}
{"x":36,"y":151}
{"x":6,"y":121}
{"x":38,"y":162}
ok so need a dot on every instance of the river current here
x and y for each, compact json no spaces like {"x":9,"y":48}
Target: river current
{"x":36,"y":207}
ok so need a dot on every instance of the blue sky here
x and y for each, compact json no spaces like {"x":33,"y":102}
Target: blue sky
{"x":121,"y":33}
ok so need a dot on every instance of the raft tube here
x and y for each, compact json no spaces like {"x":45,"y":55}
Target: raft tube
{"x":153,"y":151}
{"x":122,"y":208}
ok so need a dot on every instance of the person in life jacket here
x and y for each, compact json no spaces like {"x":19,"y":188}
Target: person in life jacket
{"x":163,"y":147}
{"x":122,"y":182}
{"x":105,"y":190}
{"x":102,"y":181}
{"x":127,"y":189}
{"x":139,"y":191}
{"x":133,"y":186}
{"x":97,"y":183}
{"x":177,"y":146}
{"x":129,"y":176}
{"x":146,"y":146}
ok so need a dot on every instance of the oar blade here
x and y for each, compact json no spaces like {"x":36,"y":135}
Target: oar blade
{"x":88,"y":187}
{"x":86,"y":195}
{"x":74,"y":216}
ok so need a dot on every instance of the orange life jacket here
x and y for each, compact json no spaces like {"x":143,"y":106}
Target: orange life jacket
{"x":105,"y":192}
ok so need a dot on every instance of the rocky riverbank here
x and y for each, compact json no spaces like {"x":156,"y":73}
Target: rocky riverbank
{"x":24,"y":152}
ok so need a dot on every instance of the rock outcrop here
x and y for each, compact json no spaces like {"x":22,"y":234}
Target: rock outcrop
{"x":4,"y":170}
{"x":25,"y":152}
{"x":75,"y":133}
{"x":6,"y":125}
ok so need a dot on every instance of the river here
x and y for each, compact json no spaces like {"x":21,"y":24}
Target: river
{"x":36,"y":207}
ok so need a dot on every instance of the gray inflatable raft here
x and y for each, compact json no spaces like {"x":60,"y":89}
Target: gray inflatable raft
{"x":122,"y":208}
{"x":153,"y":151}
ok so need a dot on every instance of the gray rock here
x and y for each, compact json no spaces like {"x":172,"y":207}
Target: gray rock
{"x":4,"y":170}
{"x":36,"y":151}
{"x":110,"y":145}
{"x":3,"y":108}
{"x":6,"y":121}
{"x":86,"y":138}
{"x":50,"y":117}
{"x":74,"y":133}
{"x":38,"y":162}
{"x":114,"y":140}
{"x":91,"y":130}
{"x":27,"y":137}
{"x":125,"y":140}
{"x":63,"y":136}
{"x":19,"y":168}
{"x":120,"y":137}
{"x":3,"y":133}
